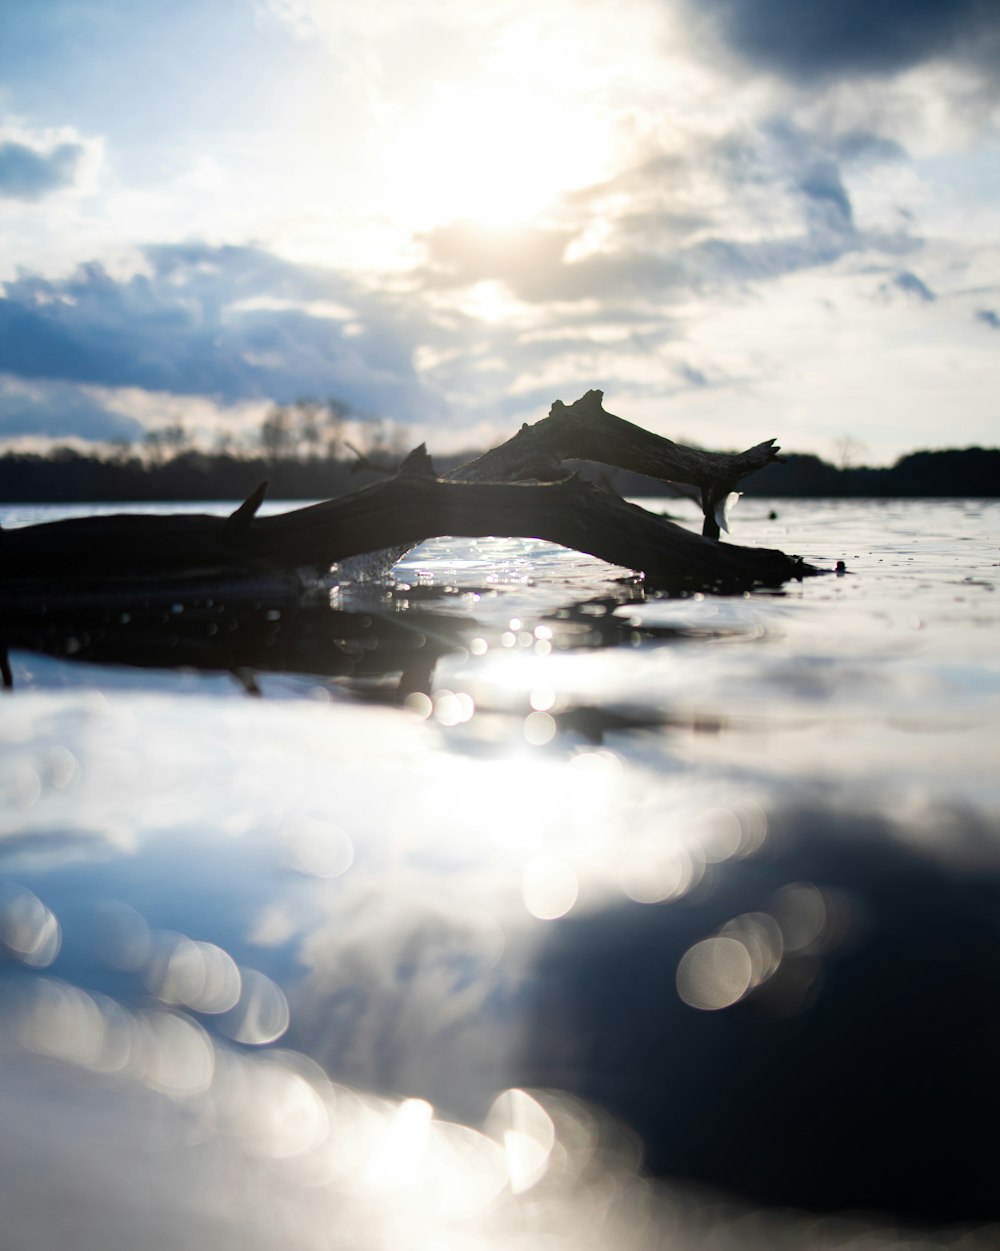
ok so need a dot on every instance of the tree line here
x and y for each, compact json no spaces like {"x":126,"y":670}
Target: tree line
{"x":316,"y":450}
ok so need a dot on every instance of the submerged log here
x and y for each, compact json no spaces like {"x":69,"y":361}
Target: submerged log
{"x":487,"y":497}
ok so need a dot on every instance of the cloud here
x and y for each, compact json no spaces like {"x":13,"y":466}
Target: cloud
{"x":803,"y":40}
{"x":29,"y":174}
{"x":748,"y":207}
{"x":58,"y":410}
{"x":465,"y":253}
{"x":692,"y":376}
{"x":231,"y":323}
{"x":989,"y":317}
{"x":912,"y":285}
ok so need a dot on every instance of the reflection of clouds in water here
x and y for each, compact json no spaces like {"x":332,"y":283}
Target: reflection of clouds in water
{"x":413,"y":912}
{"x":394,"y":933}
{"x":261,"y":1151}
{"x":408,"y":994}
{"x":202,"y":1144}
{"x":121,"y":936}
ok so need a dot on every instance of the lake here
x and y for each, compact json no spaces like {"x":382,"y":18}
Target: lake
{"x":511,"y":904}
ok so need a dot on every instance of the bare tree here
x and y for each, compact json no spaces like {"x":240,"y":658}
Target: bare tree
{"x":176,"y":438}
{"x":848,"y":451}
{"x":154,"y":447}
{"x":276,"y":434}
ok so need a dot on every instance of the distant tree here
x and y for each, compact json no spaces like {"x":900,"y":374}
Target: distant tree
{"x":849,"y":451}
{"x":304,"y":430}
{"x":308,"y":423}
{"x":223,"y":444}
{"x":176,"y":438}
{"x":336,"y":415}
{"x":154,"y":445}
{"x":276,"y":438}
{"x":384,"y":438}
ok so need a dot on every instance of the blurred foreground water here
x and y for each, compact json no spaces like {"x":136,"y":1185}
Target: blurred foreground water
{"x":525,"y":908}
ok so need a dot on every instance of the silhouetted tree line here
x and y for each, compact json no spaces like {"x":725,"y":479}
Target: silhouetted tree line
{"x":65,"y":475}
{"x":972,"y":471}
{"x":303,"y":449}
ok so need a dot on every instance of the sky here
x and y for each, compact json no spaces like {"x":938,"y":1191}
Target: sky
{"x":740,"y":219}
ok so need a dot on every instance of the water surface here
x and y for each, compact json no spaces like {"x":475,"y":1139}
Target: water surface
{"x":515,"y":887}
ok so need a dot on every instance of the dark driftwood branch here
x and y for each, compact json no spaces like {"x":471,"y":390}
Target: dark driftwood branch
{"x":585,"y":431}
{"x":486,"y":497}
{"x":415,"y":506}
{"x":411,"y":507}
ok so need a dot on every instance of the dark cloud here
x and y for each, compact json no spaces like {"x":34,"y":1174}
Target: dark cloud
{"x":229,"y":323}
{"x":26,"y":174}
{"x":989,"y":317}
{"x":863,"y":147}
{"x":827,"y":197}
{"x":914,"y":286}
{"x":808,"y":39}
{"x":60,"y":411}
{"x":691,"y":376}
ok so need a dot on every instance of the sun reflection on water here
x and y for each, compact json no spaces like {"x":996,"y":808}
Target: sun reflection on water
{"x":379,"y":917}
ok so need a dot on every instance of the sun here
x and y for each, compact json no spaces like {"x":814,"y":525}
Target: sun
{"x":498,"y":155}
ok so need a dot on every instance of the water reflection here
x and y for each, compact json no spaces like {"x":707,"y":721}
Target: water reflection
{"x":398,"y":632}
{"x":624,"y":921}
{"x":816,"y":1030}
{"x":820,"y":1041}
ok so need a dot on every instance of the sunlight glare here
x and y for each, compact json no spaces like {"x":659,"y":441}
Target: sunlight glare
{"x":496,"y":154}
{"x":521,"y":1124}
{"x":549,"y":888}
{"x":399,"y":1160}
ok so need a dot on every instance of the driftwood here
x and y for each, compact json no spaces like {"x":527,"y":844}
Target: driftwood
{"x":585,"y":431}
{"x":519,"y":489}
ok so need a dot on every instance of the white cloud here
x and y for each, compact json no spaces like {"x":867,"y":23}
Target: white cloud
{"x":697,"y":233}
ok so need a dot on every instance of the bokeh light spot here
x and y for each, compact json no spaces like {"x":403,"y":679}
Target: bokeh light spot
{"x":714,"y":974}
{"x":800,"y":911}
{"x":542,"y":698}
{"x":549,"y":888}
{"x":173,"y":1054}
{"x":659,"y":873}
{"x":761,"y":935}
{"x":321,"y":848}
{"x":527,"y":1133}
{"x":399,"y":1159}
{"x":28,"y":929}
{"x":261,"y":1016}
{"x":539,"y":728}
{"x":419,"y":704}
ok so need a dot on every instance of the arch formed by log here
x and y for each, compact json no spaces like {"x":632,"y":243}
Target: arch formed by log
{"x":519,"y":489}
